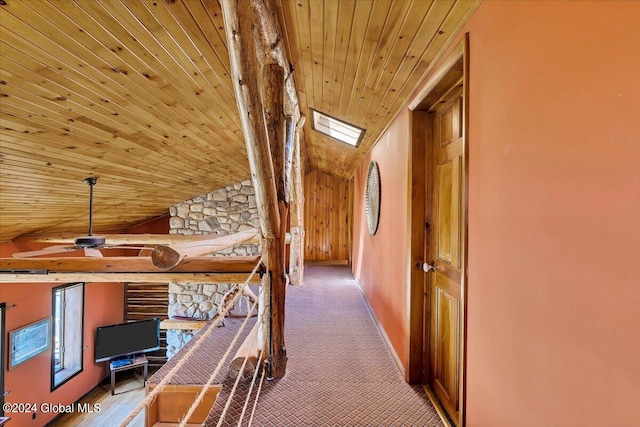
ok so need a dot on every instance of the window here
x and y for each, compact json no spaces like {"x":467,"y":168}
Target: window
{"x":68,"y":315}
{"x":342,"y":131}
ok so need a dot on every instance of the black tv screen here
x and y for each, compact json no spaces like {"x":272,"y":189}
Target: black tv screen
{"x":126,"y":339}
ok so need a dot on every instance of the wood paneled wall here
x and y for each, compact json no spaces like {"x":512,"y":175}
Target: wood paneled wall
{"x":145,"y":301}
{"x":327,"y":220}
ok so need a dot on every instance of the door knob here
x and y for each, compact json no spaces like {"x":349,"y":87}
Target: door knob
{"x":428,"y":267}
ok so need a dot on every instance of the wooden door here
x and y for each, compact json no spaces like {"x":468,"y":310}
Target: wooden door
{"x":445,"y":250}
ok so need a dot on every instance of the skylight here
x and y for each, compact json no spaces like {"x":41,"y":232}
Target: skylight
{"x":337,"y":129}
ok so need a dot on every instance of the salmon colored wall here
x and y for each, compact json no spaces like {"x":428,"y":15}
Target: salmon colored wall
{"x":379,"y":262}
{"x":31,"y":381}
{"x":554,"y":216}
{"x":158,"y":225}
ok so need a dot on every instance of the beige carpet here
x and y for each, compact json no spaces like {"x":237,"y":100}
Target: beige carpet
{"x":340,"y":371}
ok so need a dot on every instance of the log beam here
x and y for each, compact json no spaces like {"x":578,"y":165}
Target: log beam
{"x":273,"y":96}
{"x":127,"y":239}
{"x":264,"y":298}
{"x":127,"y":265}
{"x":288,"y":157}
{"x":270,"y":49}
{"x":167,"y":257}
{"x":166,"y":277}
{"x":248,"y":350}
{"x":275,"y":342}
{"x":254,"y":38}
{"x":272,"y":84}
{"x":296,"y":261}
{"x":244,"y":74}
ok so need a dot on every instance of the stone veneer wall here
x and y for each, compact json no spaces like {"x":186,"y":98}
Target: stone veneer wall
{"x":224,"y":211}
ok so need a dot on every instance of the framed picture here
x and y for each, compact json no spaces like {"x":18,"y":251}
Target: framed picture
{"x":29,"y":341}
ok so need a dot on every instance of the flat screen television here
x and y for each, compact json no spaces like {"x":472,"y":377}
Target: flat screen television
{"x":126,"y":339}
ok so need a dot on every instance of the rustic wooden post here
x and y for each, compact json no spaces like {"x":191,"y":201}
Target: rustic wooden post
{"x":264,"y":132}
{"x":273,"y":101}
{"x":288,"y":157}
{"x":264,"y":313}
{"x":272,"y":85}
{"x":271,"y":49}
{"x":237,"y":16}
{"x":296,"y":262}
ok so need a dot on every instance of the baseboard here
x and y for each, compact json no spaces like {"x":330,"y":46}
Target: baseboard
{"x":385,"y":337}
{"x":326,"y":262}
{"x":434,"y":400}
{"x":438,"y":407}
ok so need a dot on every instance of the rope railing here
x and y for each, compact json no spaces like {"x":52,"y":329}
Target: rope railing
{"x":235,"y":386}
{"x":255,"y":403}
{"x":216,"y":371}
{"x":253,"y":382}
{"x":201,"y":338}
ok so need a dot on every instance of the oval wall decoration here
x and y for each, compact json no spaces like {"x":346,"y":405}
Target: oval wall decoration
{"x":372,"y":198}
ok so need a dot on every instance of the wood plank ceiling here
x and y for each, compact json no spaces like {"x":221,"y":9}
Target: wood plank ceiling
{"x":138,"y":93}
{"x":360,"y":60}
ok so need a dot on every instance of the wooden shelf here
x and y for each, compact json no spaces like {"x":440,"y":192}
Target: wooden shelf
{"x":183,"y":324}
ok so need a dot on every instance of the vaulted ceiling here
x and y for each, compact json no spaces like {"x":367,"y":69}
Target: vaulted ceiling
{"x":138,"y":93}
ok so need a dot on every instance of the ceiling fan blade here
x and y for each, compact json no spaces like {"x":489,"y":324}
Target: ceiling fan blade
{"x":92,"y":252}
{"x":49,"y":250}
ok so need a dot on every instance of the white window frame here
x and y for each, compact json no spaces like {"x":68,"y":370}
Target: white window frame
{"x":337,"y":129}
{"x":67,"y":333}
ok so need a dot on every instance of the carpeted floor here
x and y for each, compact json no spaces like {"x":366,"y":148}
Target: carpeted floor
{"x":340,"y":371}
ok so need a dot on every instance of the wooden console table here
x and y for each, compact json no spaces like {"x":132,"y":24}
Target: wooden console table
{"x":139,"y":362}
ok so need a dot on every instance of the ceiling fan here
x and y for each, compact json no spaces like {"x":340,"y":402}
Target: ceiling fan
{"x":165,"y":253}
{"x":90,"y":243}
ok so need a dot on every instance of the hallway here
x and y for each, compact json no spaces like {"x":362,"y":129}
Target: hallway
{"x":340,"y":371}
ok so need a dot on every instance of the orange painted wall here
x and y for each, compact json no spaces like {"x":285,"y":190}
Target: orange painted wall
{"x":554,"y":216}
{"x":31,"y":381}
{"x":380,"y":261}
